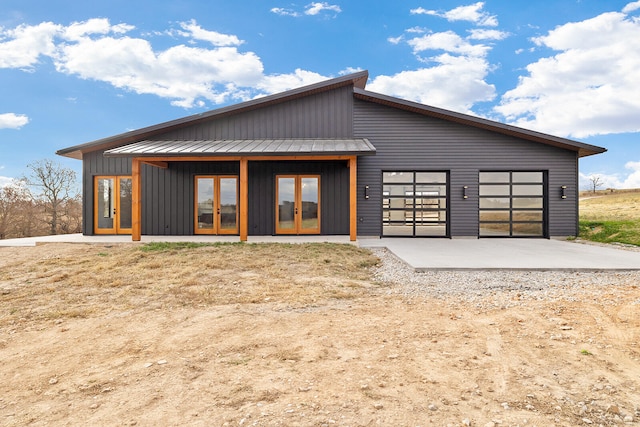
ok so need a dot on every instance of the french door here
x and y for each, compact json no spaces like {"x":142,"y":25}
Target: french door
{"x":216,"y":204}
{"x":112,"y":205}
{"x":298,"y":204}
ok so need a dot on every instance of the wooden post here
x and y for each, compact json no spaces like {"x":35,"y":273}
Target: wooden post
{"x":136,"y":201}
{"x":244,"y":199}
{"x":353,"y":198}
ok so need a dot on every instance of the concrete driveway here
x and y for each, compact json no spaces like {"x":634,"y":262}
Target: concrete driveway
{"x":507,"y":254}
{"x":428,"y":254}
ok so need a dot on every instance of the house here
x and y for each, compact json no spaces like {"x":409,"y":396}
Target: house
{"x":335,"y":159}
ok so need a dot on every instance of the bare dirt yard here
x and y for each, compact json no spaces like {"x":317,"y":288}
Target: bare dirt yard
{"x":308,"y":335}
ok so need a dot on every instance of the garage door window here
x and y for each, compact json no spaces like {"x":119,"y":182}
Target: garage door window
{"x":512,"y":204}
{"x":414,"y":204}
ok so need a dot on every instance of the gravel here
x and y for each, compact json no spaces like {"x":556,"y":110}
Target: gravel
{"x":501,"y":288}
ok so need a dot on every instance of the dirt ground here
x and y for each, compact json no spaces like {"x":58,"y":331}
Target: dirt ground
{"x":351,"y":354}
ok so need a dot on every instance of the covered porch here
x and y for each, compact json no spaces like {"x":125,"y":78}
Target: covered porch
{"x":161,"y":154}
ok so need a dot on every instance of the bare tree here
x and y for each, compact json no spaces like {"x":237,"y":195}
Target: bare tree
{"x":56,"y":185}
{"x":14,"y":198}
{"x":596,"y":181}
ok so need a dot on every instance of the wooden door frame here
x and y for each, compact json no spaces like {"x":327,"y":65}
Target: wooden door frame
{"x":297,"y":195}
{"x":116,"y":229}
{"x":217,"y":229}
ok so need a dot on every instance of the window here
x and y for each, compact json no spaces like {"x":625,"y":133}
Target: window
{"x":414,"y":203}
{"x":512,"y":204}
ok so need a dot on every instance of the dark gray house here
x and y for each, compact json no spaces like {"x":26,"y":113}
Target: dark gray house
{"x":331,"y":158}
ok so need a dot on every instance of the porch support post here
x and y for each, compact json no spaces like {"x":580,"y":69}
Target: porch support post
{"x":353,"y":198}
{"x":136,"y":201}
{"x":244,"y":199}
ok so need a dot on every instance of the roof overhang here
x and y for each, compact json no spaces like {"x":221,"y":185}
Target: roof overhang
{"x":245,"y":148}
{"x":581,"y":148}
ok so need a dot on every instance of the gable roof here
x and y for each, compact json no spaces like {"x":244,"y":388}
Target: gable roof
{"x":357,"y":81}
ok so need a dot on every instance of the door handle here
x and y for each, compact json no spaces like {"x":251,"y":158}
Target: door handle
{"x":218,"y":211}
{"x":296,"y":211}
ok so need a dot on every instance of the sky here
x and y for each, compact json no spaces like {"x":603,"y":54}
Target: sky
{"x":73,"y":72}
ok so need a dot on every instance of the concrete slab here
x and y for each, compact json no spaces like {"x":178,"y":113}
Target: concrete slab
{"x":506,"y":254}
{"x":109,"y":239}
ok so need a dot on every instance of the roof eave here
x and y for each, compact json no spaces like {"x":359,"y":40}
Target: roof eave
{"x":581,"y":148}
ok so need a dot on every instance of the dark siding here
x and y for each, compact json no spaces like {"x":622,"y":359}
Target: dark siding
{"x":334,"y":194}
{"x":168,"y":195}
{"x":94,"y":164}
{"x":323,"y":115}
{"x":407,"y":140}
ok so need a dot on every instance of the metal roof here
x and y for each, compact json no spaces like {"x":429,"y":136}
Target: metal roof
{"x":245,"y":147}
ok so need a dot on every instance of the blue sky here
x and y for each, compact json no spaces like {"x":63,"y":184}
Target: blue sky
{"x":73,"y":72}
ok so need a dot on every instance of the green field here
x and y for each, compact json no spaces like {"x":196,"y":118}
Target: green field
{"x":611,"y":217}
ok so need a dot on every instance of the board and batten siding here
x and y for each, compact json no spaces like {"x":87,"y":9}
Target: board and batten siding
{"x":323,"y":115}
{"x":410,"y":141}
{"x":95,"y":164}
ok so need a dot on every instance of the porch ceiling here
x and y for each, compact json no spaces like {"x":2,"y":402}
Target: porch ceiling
{"x":245,"y":147}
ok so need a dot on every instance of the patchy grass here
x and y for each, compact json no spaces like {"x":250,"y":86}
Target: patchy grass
{"x":64,"y":282}
{"x":611,"y":218}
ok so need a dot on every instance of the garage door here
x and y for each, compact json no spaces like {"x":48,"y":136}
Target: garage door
{"x":512,"y":204}
{"x":414,"y":204}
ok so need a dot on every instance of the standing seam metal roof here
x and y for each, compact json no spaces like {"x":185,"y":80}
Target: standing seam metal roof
{"x":255,"y":147}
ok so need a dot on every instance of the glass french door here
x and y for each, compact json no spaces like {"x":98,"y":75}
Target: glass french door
{"x":112,"y":205}
{"x":298,"y":204}
{"x":216,"y":204}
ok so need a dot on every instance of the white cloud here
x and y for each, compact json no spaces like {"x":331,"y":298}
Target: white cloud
{"x":619,"y":181}
{"x":276,"y":83}
{"x":395,"y":40}
{"x":13,"y":121}
{"x":187,"y":75}
{"x":217,"y":39}
{"x":591,"y":87}
{"x":317,"y":7}
{"x":472,"y":13}
{"x":449,"y":42}
{"x":284,"y":12}
{"x":22,"y":46}
{"x":482,"y":34}
{"x":456,"y":83}
{"x":631,"y":7}
{"x":349,"y":70}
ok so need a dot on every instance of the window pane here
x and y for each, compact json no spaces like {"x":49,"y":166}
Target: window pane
{"x":494,"y":215}
{"x":527,"y":190}
{"x":494,"y":229}
{"x":527,"y":229}
{"x":494,"y":190}
{"x":494,"y":203}
{"x":125,"y":203}
{"x":527,"y":177}
{"x":205,"y":203}
{"x":228,"y":203}
{"x":310,"y":203}
{"x":494,"y":176}
{"x":286,"y":203}
{"x":527,"y":215}
{"x":527,"y":202}
{"x":431,"y":190}
{"x":105,"y":202}
{"x":436,"y":177}
{"x":397,"y":190}
{"x":391,"y":177}
{"x":431,"y":230}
